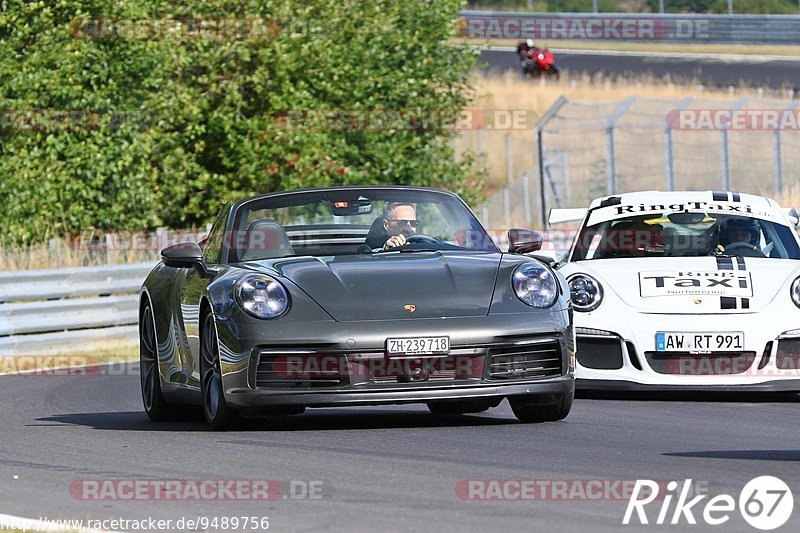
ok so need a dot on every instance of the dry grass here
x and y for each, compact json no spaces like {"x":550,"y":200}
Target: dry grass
{"x":510,"y":91}
{"x":790,"y":197}
{"x":58,"y":255}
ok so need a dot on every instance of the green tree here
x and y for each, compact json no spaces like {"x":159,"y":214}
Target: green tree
{"x":177,"y":126}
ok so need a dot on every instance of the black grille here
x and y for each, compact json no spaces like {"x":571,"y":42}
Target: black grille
{"x":600,"y":353}
{"x":535,"y":360}
{"x":788,"y":354}
{"x":305,"y":370}
{"x":300,"y":371}
{"x":687,"y":364}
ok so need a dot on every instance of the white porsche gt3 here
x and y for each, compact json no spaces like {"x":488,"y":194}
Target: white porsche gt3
{"x":685,"y":290}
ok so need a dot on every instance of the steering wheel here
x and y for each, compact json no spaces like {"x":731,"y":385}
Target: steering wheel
{"x":422,"y":238}
{"x":744,"y":249}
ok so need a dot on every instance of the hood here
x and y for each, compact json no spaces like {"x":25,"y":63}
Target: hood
{"x":379,"y":286}
{"x":694,"y":285}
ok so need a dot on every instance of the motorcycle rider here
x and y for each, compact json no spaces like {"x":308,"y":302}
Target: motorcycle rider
{"x":525,"y":50}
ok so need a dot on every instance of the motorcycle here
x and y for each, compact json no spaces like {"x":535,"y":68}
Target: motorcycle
{"x":540,"y":62}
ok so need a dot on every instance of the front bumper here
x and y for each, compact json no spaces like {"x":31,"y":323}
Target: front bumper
{"x":615,"y":354}
{"x":259,"y":399}
{"x":619,"y":385}
{"x":328,"y":363}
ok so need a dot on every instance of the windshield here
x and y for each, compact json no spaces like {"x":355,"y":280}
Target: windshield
{"x":354,"y":221}
{"x":685,"y":234}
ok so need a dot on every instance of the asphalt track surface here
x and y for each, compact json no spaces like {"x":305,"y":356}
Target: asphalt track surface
{"x":384,"y":468}
{"x":711,"y":72}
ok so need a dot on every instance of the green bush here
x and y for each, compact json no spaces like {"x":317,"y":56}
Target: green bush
{"x":762,"y":7}
{"x":177,"y":127}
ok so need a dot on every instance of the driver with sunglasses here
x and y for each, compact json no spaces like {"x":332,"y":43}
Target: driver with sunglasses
{"x":399,"y":221}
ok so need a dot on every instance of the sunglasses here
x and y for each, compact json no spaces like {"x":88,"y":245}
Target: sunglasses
{"x":404,"y":222}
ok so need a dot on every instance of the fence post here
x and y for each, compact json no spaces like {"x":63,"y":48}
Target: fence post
{"x":610,"y":153}
{"x":611,"y":166}
{"x":778,"y":151}
{"x":669,"y":156}
{"x":540,"y":157}
{"x":726,"y":162}
{"x":526,"y":200}
{"x":509,"y":159}
{"x":481,"y":158}
{"x":111,"y":248}
{"x":162,"y":238}
{"x":669,"y":148}
{"x":778,"y":162}
{"x":538,"y":131}
{"x":726,"y":156}
{"x":485,"y":215}
{"x":506,"y":207}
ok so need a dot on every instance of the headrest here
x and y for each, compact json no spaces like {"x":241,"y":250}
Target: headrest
{"x":266,"y":239}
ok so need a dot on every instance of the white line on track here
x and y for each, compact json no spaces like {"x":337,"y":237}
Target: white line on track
{"x":722,"y":58}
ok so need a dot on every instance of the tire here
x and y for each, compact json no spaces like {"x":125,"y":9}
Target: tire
{"x":461,"y":407}
{"x":532,"y":409}
{"x":155,"y":405}
{"x":555,"y":72}
{"x":218,"y":414}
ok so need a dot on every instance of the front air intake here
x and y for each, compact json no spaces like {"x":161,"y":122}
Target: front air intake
{"x":535,"y":360}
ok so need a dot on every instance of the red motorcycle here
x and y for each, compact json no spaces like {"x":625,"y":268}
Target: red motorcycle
{"x":539,"y":62}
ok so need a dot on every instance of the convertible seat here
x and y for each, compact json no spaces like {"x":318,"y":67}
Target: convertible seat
{"x":266,"y":239}
{"x":377,"y":235}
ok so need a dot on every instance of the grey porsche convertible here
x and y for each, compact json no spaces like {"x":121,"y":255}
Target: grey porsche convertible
{"x":354,"y":296}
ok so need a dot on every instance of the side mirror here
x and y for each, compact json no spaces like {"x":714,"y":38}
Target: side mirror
{"x":524,"y":241}
{"x":185,"y":255}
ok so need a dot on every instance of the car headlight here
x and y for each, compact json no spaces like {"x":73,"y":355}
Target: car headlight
{"x":585,"y":292}
{"x":795,"y":292}
{"x":262,"y":296}
{"x":535,"y":285}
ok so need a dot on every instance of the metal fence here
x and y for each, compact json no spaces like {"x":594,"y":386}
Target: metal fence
{"x":640,"y":27}
{"x":591,"y":149}
{"x":606,"y":6}
{"x":42,"y":311}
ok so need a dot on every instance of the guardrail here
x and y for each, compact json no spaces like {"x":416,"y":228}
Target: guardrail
{"x":43,"y":311}
{"x":672,"y":28}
